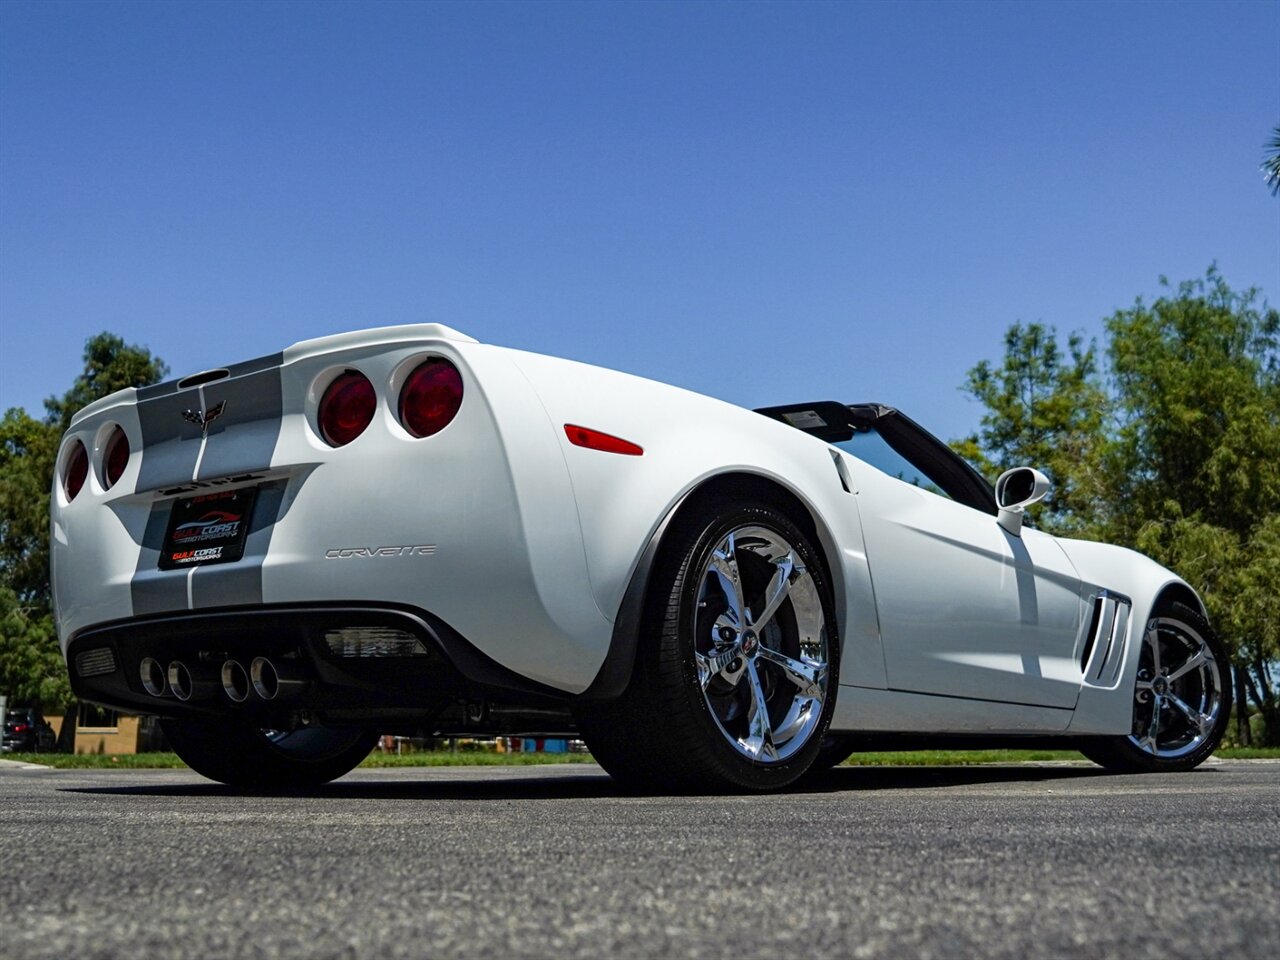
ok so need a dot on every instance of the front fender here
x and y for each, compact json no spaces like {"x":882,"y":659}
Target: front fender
{"x":1103,"y":566}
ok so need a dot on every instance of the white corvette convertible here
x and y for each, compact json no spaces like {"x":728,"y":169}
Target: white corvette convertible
{"x":404,"y":530}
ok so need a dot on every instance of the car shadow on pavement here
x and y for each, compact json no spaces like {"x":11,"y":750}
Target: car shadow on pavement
{"x":355,"y":787}
{"x":427,"y":784}
{"x":854,"y":778}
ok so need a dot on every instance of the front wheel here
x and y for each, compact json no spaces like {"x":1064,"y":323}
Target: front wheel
{"x":234,"y":751}
{"x":1181,"y":698}
{"x":736,"y":675}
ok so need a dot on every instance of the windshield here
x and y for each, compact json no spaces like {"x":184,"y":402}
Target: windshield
{"x":871,"y":448}
{"x":893,"y":443}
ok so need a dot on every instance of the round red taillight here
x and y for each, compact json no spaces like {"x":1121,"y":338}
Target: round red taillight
{"x":431,"y":397}
{"x":347,"y":408}
{"x":75,"y":470}
{"x":115,"y":459}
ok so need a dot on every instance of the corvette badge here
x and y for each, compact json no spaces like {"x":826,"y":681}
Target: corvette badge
{"x":203,"y":419}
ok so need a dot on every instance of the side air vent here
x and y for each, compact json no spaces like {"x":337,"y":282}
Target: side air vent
{"x":1104,"y":642}
{"x":841,"y":471}
{"x":95,"y":662}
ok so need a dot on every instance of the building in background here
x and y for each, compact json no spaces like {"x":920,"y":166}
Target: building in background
{"x":105,"y":731}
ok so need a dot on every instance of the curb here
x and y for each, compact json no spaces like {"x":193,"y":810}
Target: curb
{"x":16,"y":765}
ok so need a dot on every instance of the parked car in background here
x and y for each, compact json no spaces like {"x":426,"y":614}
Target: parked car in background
{"x":26,"y":731}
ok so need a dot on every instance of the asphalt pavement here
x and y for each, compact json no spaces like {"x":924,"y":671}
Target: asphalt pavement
{"x":1013,"y":861}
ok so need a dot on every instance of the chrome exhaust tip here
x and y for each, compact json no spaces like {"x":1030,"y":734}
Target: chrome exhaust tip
{"x":272,"y":681}
{"x":186,"y":682}
{"x":154,"y":680}
{"x":235,"y":681}
{"x":180,"y":680}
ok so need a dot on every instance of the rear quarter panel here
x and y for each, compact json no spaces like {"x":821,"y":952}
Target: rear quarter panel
{"x":688,"y":438}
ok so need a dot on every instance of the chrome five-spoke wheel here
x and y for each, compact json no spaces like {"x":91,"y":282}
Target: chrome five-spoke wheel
{"x":737,"y":662}
{"x":1178,"y":694}
{"x":1181,"y":697}
{"x":760,"y":641}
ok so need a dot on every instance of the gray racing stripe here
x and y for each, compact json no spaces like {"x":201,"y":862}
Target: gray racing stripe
{"x":156,"y":390}
{"x":170,"y":445}
{"x":271,"y":361}
{"x":243,"y":438}
{"x":154,"y":590}
{"x":240,"y":583}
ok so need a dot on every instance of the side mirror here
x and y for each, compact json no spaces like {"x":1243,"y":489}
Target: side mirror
{"x":1016,"y":490}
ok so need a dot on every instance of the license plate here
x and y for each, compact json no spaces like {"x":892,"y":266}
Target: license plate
{"x":211,"y":528}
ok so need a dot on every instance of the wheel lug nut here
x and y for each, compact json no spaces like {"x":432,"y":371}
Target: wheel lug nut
{"x":726,"y":634}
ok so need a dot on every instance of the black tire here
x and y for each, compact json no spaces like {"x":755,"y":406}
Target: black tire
{"x":1176,"y":625}
{"x":835,"y":750}
{"x":233,"y":751}
{"x":662,"y":733}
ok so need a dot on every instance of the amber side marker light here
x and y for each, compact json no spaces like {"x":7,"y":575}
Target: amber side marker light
{"x":595,"y":440}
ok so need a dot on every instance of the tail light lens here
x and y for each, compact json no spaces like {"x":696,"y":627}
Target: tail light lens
{"x":431,"y":397}
{"x":346,"y":408}
{"x":115,"y":459}
{"x":75,"y":470}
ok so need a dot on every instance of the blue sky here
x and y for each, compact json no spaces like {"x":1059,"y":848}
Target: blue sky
{"x":764,"y":202}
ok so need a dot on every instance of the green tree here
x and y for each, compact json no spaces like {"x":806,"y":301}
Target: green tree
{"x":1271,"y":163}
{"x":1044,"y":408}
{"x":1196,"y":377}
{"x":1194,"y":467}
{"x":1175,"y":451}
{"x":1255,"y":619}
{"x":110,"y":364}
{"x":31,"y":667}
{"x":28,"y":448}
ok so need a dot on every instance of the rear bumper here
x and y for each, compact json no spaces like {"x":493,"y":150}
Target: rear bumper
{"x":446,"y":681}
{"x":477,"y":523}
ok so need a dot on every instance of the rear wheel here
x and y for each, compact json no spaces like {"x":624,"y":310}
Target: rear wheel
{"x":1181,"y":698}
{"x":835,"y":750}
{"x":736,"y":674}
{"x":234,"y":751}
